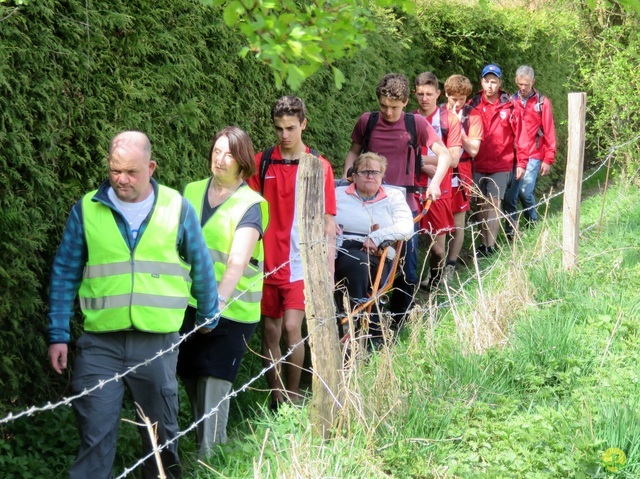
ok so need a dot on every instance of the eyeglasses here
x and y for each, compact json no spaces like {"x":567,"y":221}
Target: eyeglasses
{"x":366,"y":173}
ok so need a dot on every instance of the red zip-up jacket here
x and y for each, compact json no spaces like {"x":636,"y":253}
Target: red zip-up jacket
{"x":497,"y":151}
{"x":536,"y":132}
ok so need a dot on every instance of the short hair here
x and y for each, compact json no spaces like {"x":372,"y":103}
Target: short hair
{"x":394,"y":86}
{"x":525,"y":71}
{"x":241,"y":148}
{"x":458,"y":85}
{"x":364,"y":158}
{"x":426,"y":78}
{"x":289,"y":105}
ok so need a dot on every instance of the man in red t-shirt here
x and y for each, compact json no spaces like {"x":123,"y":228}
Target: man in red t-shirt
{"x":439,"y":219}
{"x":457,"y":88}
{"x":283,"y":292}
{"x":494,"y":164}
{"x":391,"y":139}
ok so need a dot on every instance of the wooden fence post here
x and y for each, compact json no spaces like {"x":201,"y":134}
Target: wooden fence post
{"x":318,"y":287}
{"x":573,"y":180}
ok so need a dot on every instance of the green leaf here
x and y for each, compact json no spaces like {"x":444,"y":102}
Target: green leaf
{"x":295,"y":76}
{"x":232,"y":13}
{"x":338,"y":77}
{"x":295,"y":47}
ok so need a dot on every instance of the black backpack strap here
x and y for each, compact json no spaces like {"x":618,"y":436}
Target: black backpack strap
{"x":371,"y":123}
{"x":267,"y":160}
{"x":538,"y":108}
{"x":414,"y":148}
{"x":475,"y":100}
{"x":264,"y":165}
{"x":464,"y":121}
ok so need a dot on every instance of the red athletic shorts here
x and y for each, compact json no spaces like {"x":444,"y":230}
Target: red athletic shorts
{"x":439,"y":218}
{"x":277,"y":298}
{"x":462,"y":192}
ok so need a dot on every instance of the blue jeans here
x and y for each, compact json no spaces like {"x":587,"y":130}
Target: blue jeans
{"x":522,"y":190}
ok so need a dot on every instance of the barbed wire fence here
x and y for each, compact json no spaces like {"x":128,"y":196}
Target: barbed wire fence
{"x":49,"y":406}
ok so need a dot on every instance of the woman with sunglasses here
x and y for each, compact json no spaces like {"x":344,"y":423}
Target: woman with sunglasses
{"x":368,"y":214}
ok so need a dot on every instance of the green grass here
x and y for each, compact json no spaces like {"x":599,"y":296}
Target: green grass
{"x":527,"y":371}
{"x":556,"y":388}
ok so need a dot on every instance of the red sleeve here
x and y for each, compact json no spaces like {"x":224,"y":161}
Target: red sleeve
{"x":254,"y":182}
{"x":476,"y":130}
{"x":454,"y":137}
{"x":549,"y":129}
{"x":329,"y":189}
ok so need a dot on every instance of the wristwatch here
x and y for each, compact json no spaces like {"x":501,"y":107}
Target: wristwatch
{"x":222,"y":299}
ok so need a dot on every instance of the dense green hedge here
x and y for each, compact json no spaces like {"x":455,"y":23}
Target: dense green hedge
{"x":72,"y":74}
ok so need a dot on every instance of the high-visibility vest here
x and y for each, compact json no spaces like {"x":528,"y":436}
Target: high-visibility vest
{"x":219,"y":230}
{"x":145,"y":289}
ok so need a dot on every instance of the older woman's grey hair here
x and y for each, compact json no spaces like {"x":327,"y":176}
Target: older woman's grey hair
{"x":368,"y":157}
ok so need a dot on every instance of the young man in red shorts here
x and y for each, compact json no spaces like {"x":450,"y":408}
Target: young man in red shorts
{"x":438,"y":221}
{"x":457,"y":89}
{"x":283,"y":292}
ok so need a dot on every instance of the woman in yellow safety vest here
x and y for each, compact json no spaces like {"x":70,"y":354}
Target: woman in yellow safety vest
{"x":233,"y":219}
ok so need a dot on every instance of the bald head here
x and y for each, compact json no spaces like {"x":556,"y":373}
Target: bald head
{"x":131,"y":141}
{"x":130,"y":166}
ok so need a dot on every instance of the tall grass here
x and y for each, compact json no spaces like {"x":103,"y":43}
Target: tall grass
{"x":529,"y":371}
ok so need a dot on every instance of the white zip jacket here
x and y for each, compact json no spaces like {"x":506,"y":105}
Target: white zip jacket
{"x":389,"y":210}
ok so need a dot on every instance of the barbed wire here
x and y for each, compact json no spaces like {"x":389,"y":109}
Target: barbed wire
{"x":100,"y":384}
{"x":283,"y":359}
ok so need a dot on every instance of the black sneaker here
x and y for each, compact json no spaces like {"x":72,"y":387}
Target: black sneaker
{"x":485,"y":251}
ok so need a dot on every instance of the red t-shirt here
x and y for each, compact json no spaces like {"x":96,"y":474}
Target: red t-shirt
{"x":282,"y":238}
{"x":454,"y":138}
{"x":474,"y":130}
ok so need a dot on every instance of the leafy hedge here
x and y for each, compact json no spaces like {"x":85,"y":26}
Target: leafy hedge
{"x":72,"y":74}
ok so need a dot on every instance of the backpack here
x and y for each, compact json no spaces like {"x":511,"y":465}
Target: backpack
{"x":444,"y":123}
{"x":538,"y":108}
{"x":266,"y":161}
{"x":464,"y":120}
{"x":410,"y":125}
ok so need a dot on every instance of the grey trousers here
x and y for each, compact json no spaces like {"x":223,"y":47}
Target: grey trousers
{"x":153,"y":387}
{"x":206,"y":393}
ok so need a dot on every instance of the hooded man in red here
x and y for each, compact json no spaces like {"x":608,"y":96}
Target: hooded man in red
{"x":535,"y":145}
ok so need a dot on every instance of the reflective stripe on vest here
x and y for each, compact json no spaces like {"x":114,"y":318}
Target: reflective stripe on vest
{"x":218,"y":233}
{"x":147,"y":289}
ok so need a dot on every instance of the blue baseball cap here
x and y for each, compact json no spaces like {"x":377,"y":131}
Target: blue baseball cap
{"x":491,"y":68}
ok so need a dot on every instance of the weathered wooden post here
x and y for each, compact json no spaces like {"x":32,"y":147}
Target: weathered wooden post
{"x":318,"y":289}
{"x":573,"y":180}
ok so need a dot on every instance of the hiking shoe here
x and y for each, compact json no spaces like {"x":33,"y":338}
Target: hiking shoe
{"x":449,"y":272}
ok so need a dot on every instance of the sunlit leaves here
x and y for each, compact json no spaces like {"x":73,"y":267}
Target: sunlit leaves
{"x":296,"y":38}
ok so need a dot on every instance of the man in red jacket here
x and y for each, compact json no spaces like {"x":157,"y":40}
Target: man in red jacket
{"x":535,"y":144}
{"x":495,"y":161}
